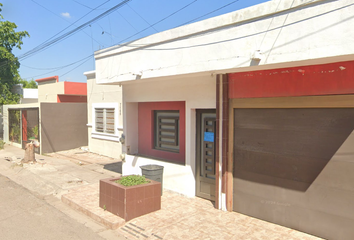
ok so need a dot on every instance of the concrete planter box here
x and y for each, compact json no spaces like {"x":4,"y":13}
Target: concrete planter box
{"x":129,"y":202}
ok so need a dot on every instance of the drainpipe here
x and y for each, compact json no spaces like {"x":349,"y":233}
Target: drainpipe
{"x":221,"y":196}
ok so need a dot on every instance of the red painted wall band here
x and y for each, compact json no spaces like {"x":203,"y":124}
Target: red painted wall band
{"x":324,"y":79}
{"x":75,"y":88}
{"x":71,"y":99}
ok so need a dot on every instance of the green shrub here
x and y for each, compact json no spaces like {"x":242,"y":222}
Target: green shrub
{"x":2,"y":143}
{"x":132,"y":180}
{"x":35,"y":132}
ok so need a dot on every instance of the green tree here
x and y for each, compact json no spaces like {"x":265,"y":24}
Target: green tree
{"x":9,"y":64}
{"x":28,"y":84}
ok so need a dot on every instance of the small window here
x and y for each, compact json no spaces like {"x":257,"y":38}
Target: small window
{"x":104,"y":120}
{"x":167,"y":130}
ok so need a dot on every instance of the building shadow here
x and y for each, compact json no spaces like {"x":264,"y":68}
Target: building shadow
{"x":114,"y":167}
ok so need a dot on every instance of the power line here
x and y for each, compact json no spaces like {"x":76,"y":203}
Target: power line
{"x":103,"y":31}
{"x":276,"y":39}
{"x":126,"y":21}
{"x":47,"y":44}
{"x":209,"y":13}
{"x":122,"y":3}
{"x":114,"y":8}
{"x":70,"y":24}
{"x":39,"y":48}
{"x":158,"y":21}
{"x":85,"y":5}
{"x":74,"y":68}
{"x":146,"y":46}
{"x":65,"y":20}
{"x":142,"y":17}
{"x":61,"y":67}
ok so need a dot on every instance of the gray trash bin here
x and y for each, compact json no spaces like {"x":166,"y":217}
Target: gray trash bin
{"x":153,"y":172}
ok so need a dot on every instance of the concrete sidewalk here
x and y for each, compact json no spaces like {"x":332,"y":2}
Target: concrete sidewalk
{"x":24,"y":216}
{"x":50,"y":178}
{"x":179,"y":218}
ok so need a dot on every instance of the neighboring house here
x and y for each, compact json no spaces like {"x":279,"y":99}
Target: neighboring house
{"x":51,"y":90}
{"x":57,"y":119}
{"x":28,"y":95}
{"x":253,"y":109}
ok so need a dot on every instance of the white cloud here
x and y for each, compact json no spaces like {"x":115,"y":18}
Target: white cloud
{"x":66,"y":15}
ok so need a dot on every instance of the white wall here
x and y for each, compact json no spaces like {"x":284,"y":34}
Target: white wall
{"x":198,"y":93}
{"x":288,"y":33}
{"x":97,"y":94}
{"x":29,"y":96}
{"x":30,"y":93}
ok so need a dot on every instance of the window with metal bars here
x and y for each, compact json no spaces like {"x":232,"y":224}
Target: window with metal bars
{"x":104,"y":120}
{"x":167,"y":130}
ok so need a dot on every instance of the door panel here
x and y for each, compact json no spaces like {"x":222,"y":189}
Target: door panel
{"x":205,"y":159}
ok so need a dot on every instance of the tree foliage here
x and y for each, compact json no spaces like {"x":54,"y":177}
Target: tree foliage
{"x":9,"y":64}
{"x":28,"y":84}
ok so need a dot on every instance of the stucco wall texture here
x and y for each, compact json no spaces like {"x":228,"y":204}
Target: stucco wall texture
{"x":63,"y":126}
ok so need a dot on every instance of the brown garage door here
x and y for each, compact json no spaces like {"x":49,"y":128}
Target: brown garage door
{"x":295,"y":167}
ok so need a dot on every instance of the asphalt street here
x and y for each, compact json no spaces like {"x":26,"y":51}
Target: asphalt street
{"x":23,"y":215}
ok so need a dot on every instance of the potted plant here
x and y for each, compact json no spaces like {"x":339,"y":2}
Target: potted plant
{"x":130,"y":196}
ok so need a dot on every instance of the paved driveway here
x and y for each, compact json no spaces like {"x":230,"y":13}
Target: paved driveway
{"x":181,"y":217}
{"x":196,"y":218}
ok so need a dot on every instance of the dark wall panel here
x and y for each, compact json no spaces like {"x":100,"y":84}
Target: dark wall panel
{"x":63,"y":126}
{"x":295,"y":167}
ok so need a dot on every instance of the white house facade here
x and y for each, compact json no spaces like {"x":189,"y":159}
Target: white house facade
{"x":179,"y":92}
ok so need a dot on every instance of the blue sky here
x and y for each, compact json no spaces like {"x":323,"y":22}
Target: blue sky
{"x":70,"y":58}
